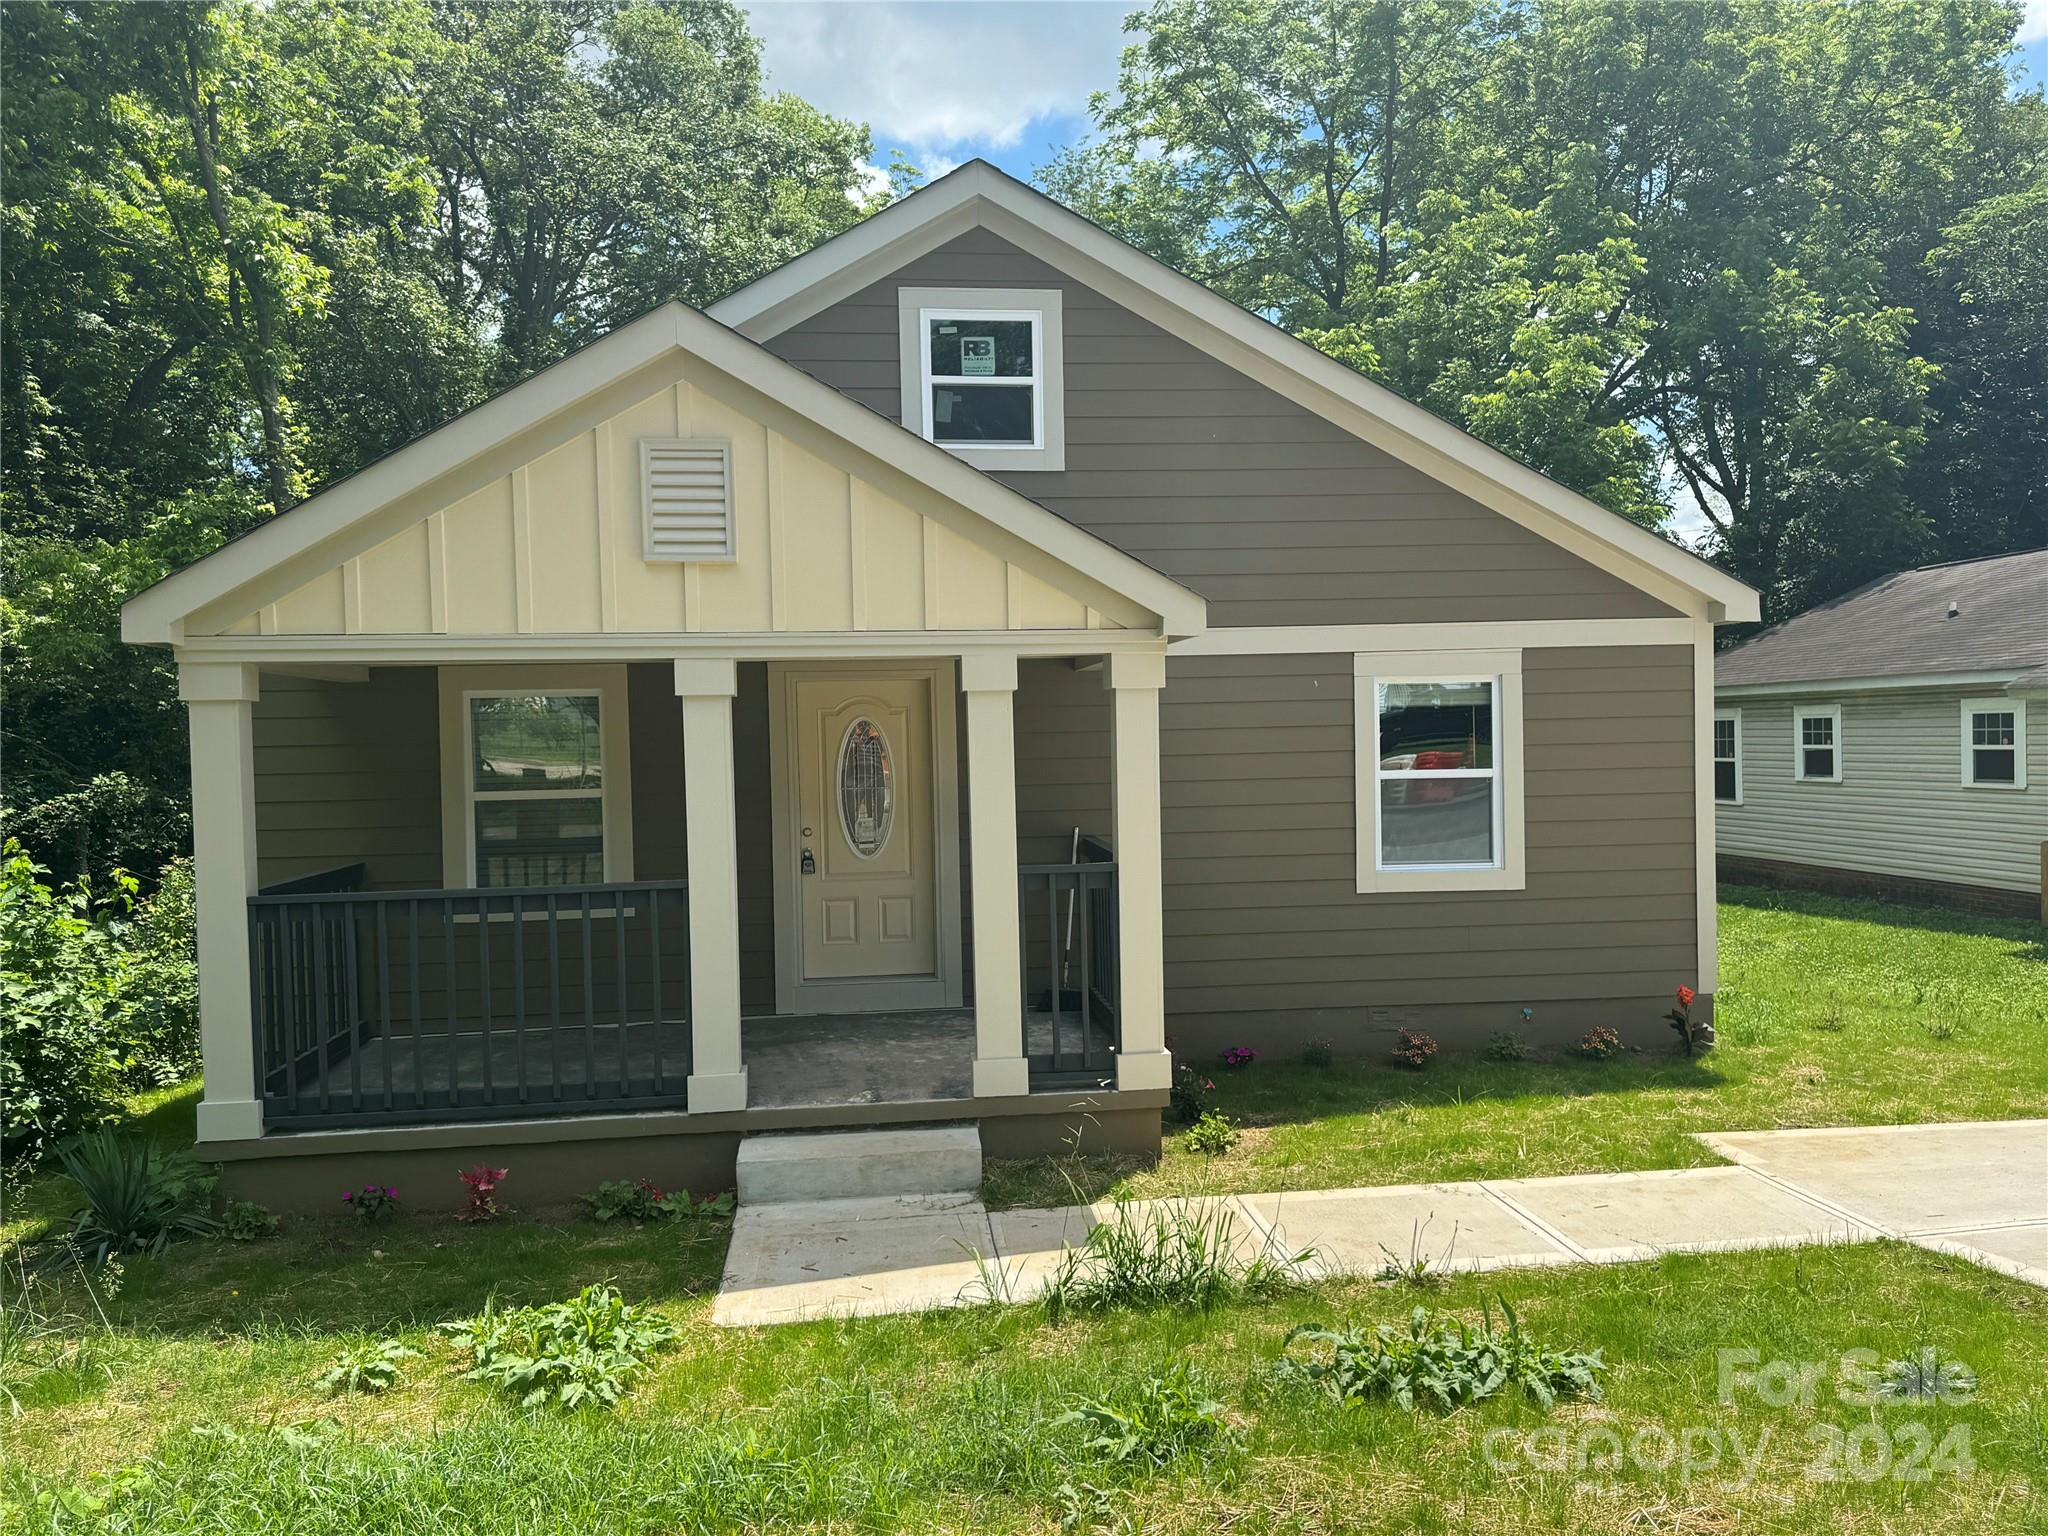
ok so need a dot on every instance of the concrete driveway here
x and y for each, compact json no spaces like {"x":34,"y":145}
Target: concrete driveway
{"x":1979,"y":1190}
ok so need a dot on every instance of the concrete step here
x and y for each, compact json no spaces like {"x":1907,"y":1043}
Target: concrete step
{"x":854,"y":1165}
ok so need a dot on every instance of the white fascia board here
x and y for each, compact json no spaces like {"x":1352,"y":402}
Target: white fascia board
{"x":1828,"y":687}
{"x":1255,"y":347}
{"x":1510,"y":634}
{"x":324,"y":522}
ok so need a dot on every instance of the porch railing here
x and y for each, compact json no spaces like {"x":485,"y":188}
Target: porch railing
{"x":381,"y":1007}
{"x":1068,"y":915}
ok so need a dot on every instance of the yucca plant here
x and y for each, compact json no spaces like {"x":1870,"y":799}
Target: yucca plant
{"x":137,"y":1199}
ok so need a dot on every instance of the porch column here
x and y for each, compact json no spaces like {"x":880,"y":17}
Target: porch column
{"x":1134,"y":681}
{"x":219,"y":699}
{"x":989,"y":683}
{"x":718,"y":1077}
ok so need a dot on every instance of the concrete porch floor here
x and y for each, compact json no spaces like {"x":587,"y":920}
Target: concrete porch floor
{"x":808,"y":1060}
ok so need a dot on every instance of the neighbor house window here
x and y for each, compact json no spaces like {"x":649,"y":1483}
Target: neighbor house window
{"x":1817,"y":743}
{"x":536,"y":776}
{"x":982,"y":374}
{"x":1728,"y":756}
{"x":1995,"y":743}
{"x":1439,"y":754}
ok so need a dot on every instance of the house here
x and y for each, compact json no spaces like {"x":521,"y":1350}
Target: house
{"x":917,"y":690}
{"x":1879,"y":744}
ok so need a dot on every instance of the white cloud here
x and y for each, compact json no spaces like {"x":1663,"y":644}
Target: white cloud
{"x":2034,"y":24}
{"x":932,"y":77}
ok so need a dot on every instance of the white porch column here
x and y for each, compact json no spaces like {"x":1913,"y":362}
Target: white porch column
{"x":1134,"y":681}
{"x":219,"y":699}
{"x":989,"y":683}
{"x":718,"y":1077}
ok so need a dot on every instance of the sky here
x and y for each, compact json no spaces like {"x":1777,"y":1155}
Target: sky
{"x":1009,"y":80}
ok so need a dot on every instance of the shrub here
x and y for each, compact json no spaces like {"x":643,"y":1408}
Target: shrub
{"x":588,"y":1349}
{"x":1599,"y":1044}
{"x":1415,"y":1048}
{"x":137,"y":1200}
{"x":643,"y":1200}
{"x":1506,"y":1045}
{"x":364,"y":1368}
{"x":1154,"y":1422}
{"x":1239,"y":1057}
{"x":480,"y":1189}
{"x":1191,"y":1093}
{"x":1441,"y":1364}
{"x":1212,"y":1134}
{"x":244,"y":1221}
{"x":100,"y":996}
{"x":373,"y":1202}
{"x":1319,"y":1054}
{"x":1169,"y":1253}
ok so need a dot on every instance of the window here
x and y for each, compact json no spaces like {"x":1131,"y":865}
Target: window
{"x":1817,"y":743}
{"x":982,"y":374}
{"x":686,"y":498}
{"x":867,"y":791}
{"x":536,"y":776}
{"x":1995,"y":743}
{"x":1439,"y":754}
{"x":1728,"y":756}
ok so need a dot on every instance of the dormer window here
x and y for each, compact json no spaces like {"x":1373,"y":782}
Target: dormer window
{"x":982,"y":374}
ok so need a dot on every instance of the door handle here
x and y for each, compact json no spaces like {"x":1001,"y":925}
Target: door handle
{"x":809,"y":864}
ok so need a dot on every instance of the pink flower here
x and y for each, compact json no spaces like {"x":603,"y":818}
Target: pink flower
{"x":1686,"y":996}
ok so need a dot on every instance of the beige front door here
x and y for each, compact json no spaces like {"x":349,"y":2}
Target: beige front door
{"x":865,"y":804}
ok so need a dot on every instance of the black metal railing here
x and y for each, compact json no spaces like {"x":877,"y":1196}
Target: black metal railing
{"x":1068,"y":917}
{"x":384,"y":1007}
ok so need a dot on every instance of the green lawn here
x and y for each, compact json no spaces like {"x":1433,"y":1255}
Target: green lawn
{"x":951,"y":1421}
{"x":1830,"y":1012}
{"x":180,"y":1398}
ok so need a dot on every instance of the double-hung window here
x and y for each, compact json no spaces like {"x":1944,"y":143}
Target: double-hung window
{"x":1728,"y":756}
{"x":1995,"y":743}
{"x":1439,"y":750}
{"x":982,"y":374}
{"x":1817,"y":743}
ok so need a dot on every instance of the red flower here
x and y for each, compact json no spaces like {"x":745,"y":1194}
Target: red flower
{"x":1686,"y":996}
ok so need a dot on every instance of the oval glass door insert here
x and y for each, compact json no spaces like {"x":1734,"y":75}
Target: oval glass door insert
{"x":867,"y":791}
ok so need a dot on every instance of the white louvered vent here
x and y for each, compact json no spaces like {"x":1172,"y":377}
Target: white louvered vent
{"x":686,"y":490}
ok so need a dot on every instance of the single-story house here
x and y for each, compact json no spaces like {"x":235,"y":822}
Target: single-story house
{"x":933,"y":685}
{"x":1879,"y":744}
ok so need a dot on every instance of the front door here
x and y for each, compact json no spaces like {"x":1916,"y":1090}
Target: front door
{"x":861,"y":837}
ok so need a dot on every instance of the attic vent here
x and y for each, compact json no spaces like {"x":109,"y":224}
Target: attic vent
{"x":686,"y":488}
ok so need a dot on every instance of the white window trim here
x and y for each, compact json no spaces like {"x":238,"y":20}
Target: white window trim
{"x":2008,"y":705}
{"x":1800,"y":714}
{"x":1044,"y":309}
{"x":1504,"y":670}
{"x":458,"y":795}
{"x":1736,"y":716}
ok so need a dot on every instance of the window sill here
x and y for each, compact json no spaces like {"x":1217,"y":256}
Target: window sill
{"x":1381,"y":881}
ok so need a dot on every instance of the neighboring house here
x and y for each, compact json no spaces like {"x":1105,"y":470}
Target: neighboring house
{"x":914,"y":691}
{"x":1881,"y":742}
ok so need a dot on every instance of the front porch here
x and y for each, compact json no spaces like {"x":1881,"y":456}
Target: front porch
{"x":357,"y":1001}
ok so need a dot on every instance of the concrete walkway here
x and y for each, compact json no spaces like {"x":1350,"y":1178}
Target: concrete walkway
{"x":1979,"y":1191}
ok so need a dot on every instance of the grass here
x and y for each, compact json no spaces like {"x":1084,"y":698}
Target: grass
{"x":201,"y":1390}
{"x":1830,"y":1012}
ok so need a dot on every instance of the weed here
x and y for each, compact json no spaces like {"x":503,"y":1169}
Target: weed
{"x":1169,"y":1253}
{"x":1421,"y":1269}
{"x":1212,"y":1135}
{"x":588,"y":1349}
{"x":244,"y":1221}
{"x":1444,"y":1365}
{"x":371,"y":1203}
{"x":1831,"y":1019}
{"x":367,"y":1368}
{"x":643,"y":1201}
{"x":1154,"y":1423}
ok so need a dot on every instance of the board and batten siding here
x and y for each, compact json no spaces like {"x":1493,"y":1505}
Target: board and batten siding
{"x":1901,"y":808}
{"x":1273,"y":514}
{"x":1269,"y":943}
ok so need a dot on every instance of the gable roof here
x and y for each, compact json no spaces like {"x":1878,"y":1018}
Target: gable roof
{"x":977,"y":194}
{"x":1901,"y":626}
{"x":343,"y":520}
